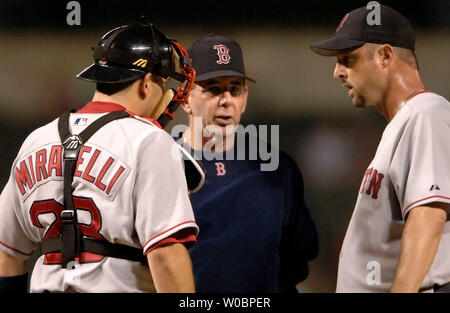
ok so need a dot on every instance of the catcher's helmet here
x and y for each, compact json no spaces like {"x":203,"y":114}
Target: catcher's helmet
{"x":129,"y":52}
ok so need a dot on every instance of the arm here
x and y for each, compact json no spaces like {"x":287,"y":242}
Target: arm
{"x":11,"y":266}
{"x":13,"y":276}
{"x":171,"y":268}
{"x":299,"y":241}
{"x":420,"y":242}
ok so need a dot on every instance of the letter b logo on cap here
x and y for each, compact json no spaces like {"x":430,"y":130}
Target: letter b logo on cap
{"x":224,"y":54}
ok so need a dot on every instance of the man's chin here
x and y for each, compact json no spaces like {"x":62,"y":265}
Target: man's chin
{"x":358,"y":102}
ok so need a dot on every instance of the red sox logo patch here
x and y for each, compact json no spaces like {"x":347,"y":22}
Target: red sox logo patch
{"x":224,"y":54}
{"x":220,"y":167}
{"x":342,"y":22}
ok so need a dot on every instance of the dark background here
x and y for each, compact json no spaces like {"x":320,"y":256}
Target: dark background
{"x":331,"y":141}
{"x":25,"y":14}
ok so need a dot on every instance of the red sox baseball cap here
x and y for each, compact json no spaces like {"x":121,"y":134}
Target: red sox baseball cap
{"x":217,"y":56}
{"x":357,"y":27}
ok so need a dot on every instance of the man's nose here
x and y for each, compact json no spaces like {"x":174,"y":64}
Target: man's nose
{"x":225,"y":98}
{"x":339,"y":71}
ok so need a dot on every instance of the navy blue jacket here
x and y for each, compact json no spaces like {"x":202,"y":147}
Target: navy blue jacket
{"x":256,"y":234}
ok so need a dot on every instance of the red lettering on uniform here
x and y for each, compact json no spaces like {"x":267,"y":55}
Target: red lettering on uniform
{"x":43,"y":207}
{"x":23,"y":177}
{"x":82,"y":257}
{"x":54,"y":162}
{"x":114,"y":179}
{"x":91,"y":230}
{"x":91,"y":163}
{"x":54,"y":229}
{"x":220,"y":167}
{"x":30,"y":164}
{"x":40,"y":162}
{"x":366,"y":175}
{"x":374,"y":183}
{"x":102,"y":173}
{"x":81,"y":160}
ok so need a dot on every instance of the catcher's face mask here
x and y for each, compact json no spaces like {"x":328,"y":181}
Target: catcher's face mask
{"x":179,"y":67}
{"x":183,"y":66}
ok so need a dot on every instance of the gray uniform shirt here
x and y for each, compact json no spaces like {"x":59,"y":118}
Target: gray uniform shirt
{"x":129,"y":188}
{"x":411,"y":168}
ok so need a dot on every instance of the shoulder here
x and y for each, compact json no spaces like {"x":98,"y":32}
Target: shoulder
{"x":142,"y":131}
{"x":429,"y":104}
{"x":288,"y":164}
{"x":424,"y":110}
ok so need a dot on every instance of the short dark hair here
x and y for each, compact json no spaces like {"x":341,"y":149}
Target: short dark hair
{"x":112,"y":88}
{"x":406,"y":55}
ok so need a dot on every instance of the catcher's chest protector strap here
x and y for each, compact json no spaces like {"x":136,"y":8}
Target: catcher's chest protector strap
{"x":71,"y":242}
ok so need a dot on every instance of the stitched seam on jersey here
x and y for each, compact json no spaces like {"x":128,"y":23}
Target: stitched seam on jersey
{"x":162,"y":233}
{"x":15,"y":250}
{"x":442,"y":197}
{"x":423,"y":91}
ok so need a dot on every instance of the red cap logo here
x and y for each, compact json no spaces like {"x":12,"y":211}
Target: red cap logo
{"x":224,"y":54}
{"x":342,"y":22}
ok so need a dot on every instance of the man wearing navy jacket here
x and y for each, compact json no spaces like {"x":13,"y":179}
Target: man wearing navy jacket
{"x":256,"y":231}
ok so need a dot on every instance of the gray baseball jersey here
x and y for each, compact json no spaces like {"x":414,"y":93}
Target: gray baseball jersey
{"x":129,"y":188}
{"x":411,"y":168}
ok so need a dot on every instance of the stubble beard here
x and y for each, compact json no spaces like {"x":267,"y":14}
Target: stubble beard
{"x":359,"y":101}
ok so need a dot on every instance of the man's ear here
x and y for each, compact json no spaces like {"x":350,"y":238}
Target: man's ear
{"x":187,"y":106}
{"x":145,"y":86}
{"x":385,"y":54}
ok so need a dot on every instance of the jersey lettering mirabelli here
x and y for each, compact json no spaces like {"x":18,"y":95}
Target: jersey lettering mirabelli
{"x":47,"y":163}
{"x":374,"y":182}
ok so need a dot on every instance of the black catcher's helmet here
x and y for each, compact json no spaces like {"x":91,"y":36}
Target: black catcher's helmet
{"x":129,"y":52}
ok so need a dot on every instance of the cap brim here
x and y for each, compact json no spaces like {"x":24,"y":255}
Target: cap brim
{"x":222,"y":73}
{"x":334,"y":45}
{"x":109,"y":74}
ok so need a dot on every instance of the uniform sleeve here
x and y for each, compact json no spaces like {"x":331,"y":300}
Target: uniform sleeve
{"x":163,"y":209}
{"x":12,"y":237}
{"x":299,"y":243}
{"x":420,"y":168}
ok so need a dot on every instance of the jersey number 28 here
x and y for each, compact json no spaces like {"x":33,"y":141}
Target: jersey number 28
{"x":45,"y":207}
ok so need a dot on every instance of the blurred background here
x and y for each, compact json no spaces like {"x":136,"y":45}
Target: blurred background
{"x":332,"y":141}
